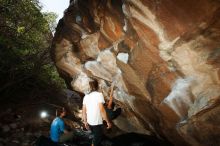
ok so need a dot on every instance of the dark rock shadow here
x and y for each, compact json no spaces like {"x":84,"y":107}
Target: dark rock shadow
{"x":134,"y":139}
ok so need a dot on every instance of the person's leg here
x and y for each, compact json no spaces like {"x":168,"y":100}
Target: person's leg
{"x":97,"y":135}
{"x":66,"y":137}
{"x":116,"y":113}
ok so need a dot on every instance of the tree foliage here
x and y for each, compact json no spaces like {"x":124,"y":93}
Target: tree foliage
{"x":51,"y":18}
{"x":25,"y":37}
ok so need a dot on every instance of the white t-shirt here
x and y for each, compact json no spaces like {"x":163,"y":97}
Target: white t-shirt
{"x":91,"y":101}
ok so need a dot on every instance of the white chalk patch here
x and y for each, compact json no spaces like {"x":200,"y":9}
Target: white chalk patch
{"x":149,"y":19}
{"x":125,"y":10}
{"x":125,"y":27}
{"x":81,"y":83}
{"x":180,"y":98}
{"x":123,"y":97}
{"x":123,"y":57}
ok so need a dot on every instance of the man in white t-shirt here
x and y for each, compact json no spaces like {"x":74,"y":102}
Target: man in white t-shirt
{"x":94,"y":113}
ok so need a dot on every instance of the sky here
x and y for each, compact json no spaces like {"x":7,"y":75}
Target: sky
{"x":57,"y":6}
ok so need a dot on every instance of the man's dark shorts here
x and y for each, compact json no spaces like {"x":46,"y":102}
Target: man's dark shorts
{"x":97,"y":132}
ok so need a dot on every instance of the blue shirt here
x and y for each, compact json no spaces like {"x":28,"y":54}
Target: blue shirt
{"x":56,"y":129}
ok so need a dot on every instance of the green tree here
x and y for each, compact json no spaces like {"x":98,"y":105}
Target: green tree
{"x":25,"y":37}
{"x":51,"y":18}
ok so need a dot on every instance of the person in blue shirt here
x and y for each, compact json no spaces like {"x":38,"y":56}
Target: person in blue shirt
{"x":58,"y":133}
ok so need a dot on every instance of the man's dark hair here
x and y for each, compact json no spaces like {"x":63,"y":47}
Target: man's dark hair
{"x":59,"y":111}
{"x":94,"y":85}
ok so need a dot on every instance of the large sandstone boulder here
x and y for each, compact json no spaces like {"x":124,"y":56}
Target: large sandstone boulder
{"x":162,"y":56}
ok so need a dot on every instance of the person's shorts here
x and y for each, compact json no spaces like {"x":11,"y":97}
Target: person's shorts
{"x":97,"y":132}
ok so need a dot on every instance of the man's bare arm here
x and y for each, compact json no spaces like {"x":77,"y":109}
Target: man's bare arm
{"x":104,"y":115}
{"x":84,"y":117}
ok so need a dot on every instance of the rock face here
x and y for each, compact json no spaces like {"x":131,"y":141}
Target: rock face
{"x":162,"y":57}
